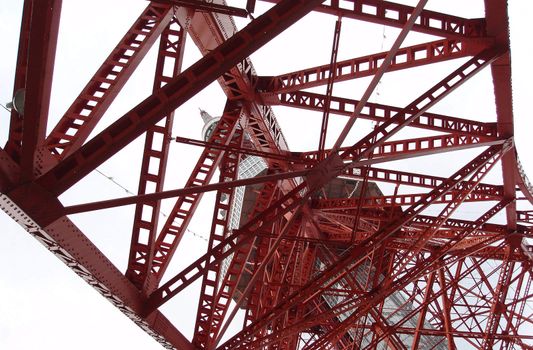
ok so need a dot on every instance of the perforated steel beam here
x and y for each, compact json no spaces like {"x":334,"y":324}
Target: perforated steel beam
{"x":74,"y":128}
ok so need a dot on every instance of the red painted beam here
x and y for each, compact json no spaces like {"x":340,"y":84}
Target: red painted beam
{"x":43,"y":31}
{"x":396,"y":15}
{"x":14,"y":141}
{"x":203,"y":6}
{"x":498,"y":27}
{"x":331,"y":78}
{"x":155,"y":155}
{"x":206,"y":318}
{"x":181,"y":214}
{"x":392,"y":201}
{"x":149,"y":197}
{"x":405,"y":58}
{"x":380,"y":113}
{"x":413,"y":179}
{"x":499,"y":299}
{"x":176,"y":92}
{"x":410,"y":148}
{"x":281,"y":156}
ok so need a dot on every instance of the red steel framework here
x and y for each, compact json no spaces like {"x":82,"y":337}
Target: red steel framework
{"x":306,"y":271}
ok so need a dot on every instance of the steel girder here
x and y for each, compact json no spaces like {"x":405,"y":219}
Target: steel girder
{"x":357,"y":270}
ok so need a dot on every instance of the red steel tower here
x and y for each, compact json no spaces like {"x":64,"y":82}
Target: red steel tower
{"x":400,"y":224}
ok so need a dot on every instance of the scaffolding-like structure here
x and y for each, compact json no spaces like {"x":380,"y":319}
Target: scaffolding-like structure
{"x":366,"y":242}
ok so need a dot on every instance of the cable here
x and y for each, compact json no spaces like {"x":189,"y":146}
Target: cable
{"x":110,"y":178}
{"x":4,"y":107}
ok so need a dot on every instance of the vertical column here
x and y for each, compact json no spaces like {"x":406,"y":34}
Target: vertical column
{"x":155,"y":155}
{"x":33,"y":82}
{"x":229,"y":169}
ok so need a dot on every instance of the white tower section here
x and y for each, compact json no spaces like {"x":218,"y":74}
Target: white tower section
{"x":250,"y":166}
{"x":209,"y":124}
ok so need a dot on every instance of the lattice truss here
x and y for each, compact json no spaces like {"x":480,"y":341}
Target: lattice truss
{"x":403,"y":228}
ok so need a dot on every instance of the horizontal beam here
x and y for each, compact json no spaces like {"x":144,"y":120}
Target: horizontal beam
{"x":204,"y":6}
{"x":360,"y":67}
{"x":395,"y":150}
{"x":283,"y":155}
{"x":380,"y":113}
{"x":394,"y":200}
{"x":411,"y":179}
{"x":150,"y":197}
{"x":396,"y":15}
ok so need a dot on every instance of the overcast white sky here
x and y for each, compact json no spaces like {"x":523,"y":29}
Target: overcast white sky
{"x":44,"y":305}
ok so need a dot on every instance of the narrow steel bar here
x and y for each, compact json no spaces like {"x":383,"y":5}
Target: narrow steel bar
{"x":156,"y":148}
{"x":446,"y":309}
{"x":44,"y":28}
{"x":329,"y":90}
{"x":380,"y":113}
{"x":355,"y":68}
{"x":499,"y":298}
{"x":204,"y":6}
{"x":415,"y":343}
{"x":414,"y":179}
{"x":220,"y":225}
{"x":380,"y":72}
{"x":73,"y":209}
{"x":282,"y":156}
{"x":498,"y":27}
{"x":396,"y":15}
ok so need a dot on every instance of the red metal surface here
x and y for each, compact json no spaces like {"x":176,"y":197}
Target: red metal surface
{"x":405,"y":58}
{"x":156,"y":148}
{"x":408,"y":266}
{"x":207,"y":318}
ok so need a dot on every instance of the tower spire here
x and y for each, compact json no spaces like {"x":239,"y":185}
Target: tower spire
{"x":206,"y":117}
